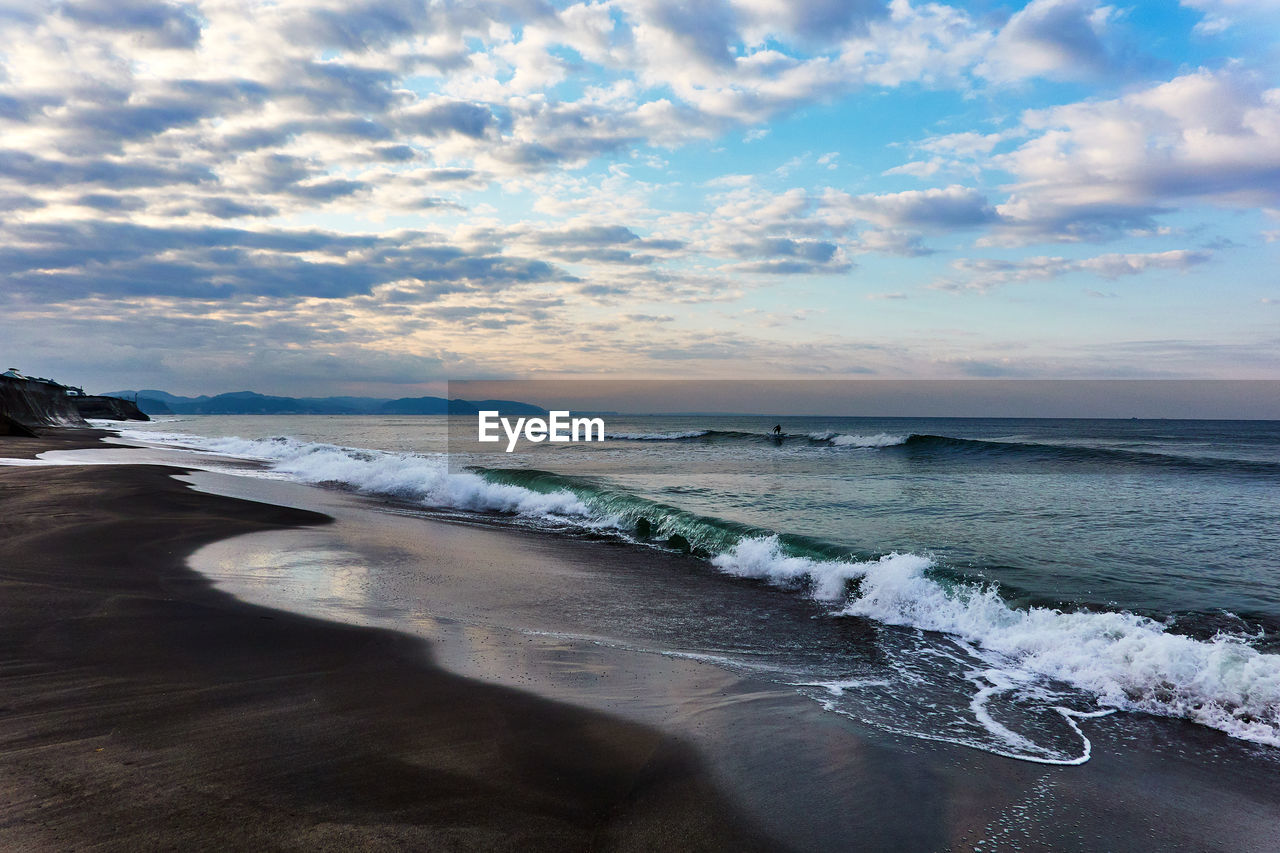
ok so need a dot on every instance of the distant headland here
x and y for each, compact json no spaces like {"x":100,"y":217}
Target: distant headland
{"x":155,"y":402}
{"x":28,"y":402}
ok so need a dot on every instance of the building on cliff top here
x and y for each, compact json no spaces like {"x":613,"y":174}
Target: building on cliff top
{"x":69,"y":390}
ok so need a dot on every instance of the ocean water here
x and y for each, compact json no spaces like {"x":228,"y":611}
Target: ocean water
{"x":983,"y":582}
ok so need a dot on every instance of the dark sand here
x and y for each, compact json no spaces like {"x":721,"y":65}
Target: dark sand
{"x":140,"y":708}
{"x":817,"y":780}
{"x":19,"y":447}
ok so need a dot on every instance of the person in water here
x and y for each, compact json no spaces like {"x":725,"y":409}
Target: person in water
{"x":777,"y":429}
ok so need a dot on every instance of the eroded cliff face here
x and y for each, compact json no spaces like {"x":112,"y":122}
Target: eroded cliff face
{"x":8,"y":426}
{"x":37,"y":404}
{"x":108,"y":408}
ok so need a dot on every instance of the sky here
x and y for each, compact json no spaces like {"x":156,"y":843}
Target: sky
{"x":914,"y":398}
{"x":375,"y":197}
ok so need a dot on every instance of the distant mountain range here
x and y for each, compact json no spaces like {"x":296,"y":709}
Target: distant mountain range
{"x":155,"y":402}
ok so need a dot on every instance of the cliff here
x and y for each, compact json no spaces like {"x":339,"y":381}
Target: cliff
{"x":108,"y":408}
{"x":36,"y":404}
{"x":8,"y":426}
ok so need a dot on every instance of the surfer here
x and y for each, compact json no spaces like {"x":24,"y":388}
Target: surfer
{"x":777,"y":429}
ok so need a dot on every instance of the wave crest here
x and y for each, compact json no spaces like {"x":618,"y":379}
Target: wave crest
{"x":838,"y":439}
{"x":657,"y":436}
{"x":826,"y":580}
{"x":415,"y":478}
{"x":1124,"y":661}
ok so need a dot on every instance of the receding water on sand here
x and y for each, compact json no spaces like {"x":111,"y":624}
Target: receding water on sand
{"x":558,"y":617}
{"x":746,"y":671}
{"x":1010,"y":668}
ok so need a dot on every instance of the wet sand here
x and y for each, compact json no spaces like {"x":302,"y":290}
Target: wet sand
{"x":505,"y":606}
{"x":19,"y":447}
{"x":143,"y":707}
{"x":140,"y":708}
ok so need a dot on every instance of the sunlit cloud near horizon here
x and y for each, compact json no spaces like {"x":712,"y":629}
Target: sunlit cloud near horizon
{"x":375,"y":197}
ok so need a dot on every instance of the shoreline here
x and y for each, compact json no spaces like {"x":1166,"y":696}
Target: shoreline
{"x":758,"y":762}
{"x":142,"y":708}
{"x":55,"y":438}
{"x":814,"y":777}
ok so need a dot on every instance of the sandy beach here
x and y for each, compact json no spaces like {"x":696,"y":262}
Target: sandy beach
{"x":640,"y":425}
{"x":141,"y":709}
{"x":142,"y":706}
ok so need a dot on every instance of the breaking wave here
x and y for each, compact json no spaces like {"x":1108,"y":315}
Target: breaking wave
{"x":821,"y":439}
{"x":657,"y":436}
{"x":968,"y":450}
{"x":1120,"y":660}
{"x":415,"y":478}
{"x":836,"y":439}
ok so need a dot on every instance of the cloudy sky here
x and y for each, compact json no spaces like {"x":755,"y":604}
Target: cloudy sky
{"x":374,"y":196}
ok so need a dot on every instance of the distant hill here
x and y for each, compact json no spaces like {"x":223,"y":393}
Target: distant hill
{"x":147,"y":404}
{"x":155,"y":402}
{"x":507,"y":407}
{"x":418,"y":406}
{"x":236,"y":403}
{"x":441,"y":406}
{"x":150,"y":406}
{"x":362,"y":405}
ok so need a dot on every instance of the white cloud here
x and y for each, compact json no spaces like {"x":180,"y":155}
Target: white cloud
{"x":145,"y":145}
{"x":1052,"y":38}
{"x":1096,"y":167}
{"x":981,"y":274}
{"x":1221,"y":15}
{"x":917,"y":168}
{"x":933,"y":209}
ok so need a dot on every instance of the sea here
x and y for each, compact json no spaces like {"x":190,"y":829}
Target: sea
{"x":984,"y":582}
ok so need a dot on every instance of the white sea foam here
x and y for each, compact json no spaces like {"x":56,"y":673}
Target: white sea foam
{"x":1126,"y":661}
{"x":841,"y":686}
{"x":656,"y":436}
{"x":417,"y":478}
{"x":1123,"y":660}
{"x":763,"y":558}
{"x":840,"y":439}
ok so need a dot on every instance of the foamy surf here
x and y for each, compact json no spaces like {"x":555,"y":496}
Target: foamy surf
{"x":825,"y":580}
{"x":836,"y":439}
{"x":414,"y":478}
{"x":656,"y":436}
{"x":823,"y":439}
{"x":994,"y":653}
{"x":1121,"y":660}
